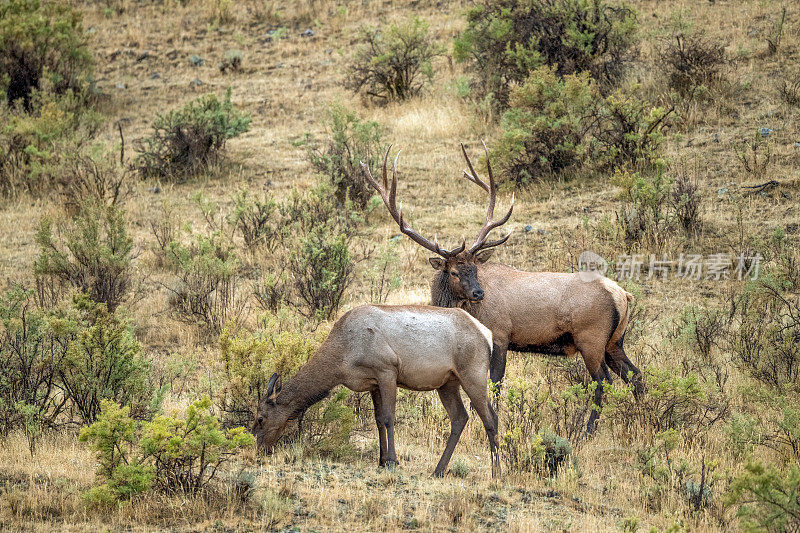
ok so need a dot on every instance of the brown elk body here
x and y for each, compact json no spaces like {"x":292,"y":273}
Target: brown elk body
{"x":378,"y":348}
{"x":542,"y":312}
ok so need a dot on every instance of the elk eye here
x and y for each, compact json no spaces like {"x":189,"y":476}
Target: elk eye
{"x":260,"y":419}
{"x":453,"y":273}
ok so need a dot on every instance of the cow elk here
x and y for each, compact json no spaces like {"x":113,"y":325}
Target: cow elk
{"x":543,"y":312}
{"x":377,"y":348}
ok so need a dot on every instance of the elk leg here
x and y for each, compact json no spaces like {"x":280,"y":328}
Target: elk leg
{"x":622,"y":366}
{"x":376,"y":404}
{"x":388,"y":400}
{"x":451,"y":399}
{"x":598,"y":376}
{"x":497,"y":369}
{"x":476,"y":391}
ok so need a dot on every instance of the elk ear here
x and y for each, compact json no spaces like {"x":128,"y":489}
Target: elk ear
{"x":483,"y":256}
{"x":438,"y":263}
{"x":278,"y":386}
{"x":271,"y":384}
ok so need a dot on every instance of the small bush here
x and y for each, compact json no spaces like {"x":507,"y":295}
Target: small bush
{"x":505,"y":40}
{"x":322,"y":267}
{"x":544,"y":129}
{"x":630,"y":132}
{"x":755,"y":156}
{"x":789,"y":89}
{"x":692,"y":64}
{"x":187,"y":452}
{"x":41,"y":46}
{"x":91,"y":253}
{"x":207,"y":290}
{"x":250,"y":358}
{"x":185,"y":142}
{"x":672,"y":402}
{"x":93,"y":180}
{"x":351,"y":142}
{"x":766,"y":336}
{"x":395,"y":64}
{"x":686,"y":202}
{"x":32,"y":351}
{"x":103,"y":362}
{"x":36,"y":148}
{"x":173,"y":454}
{"x":768,"y":497}
{"x":328,"y":425}
{"x":113,"y":436}
{"x":643,"y":216}
{"x":254,"y":220}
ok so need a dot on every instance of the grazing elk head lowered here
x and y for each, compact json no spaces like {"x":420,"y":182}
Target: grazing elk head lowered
{"x":378,"y":348}
{"x":545,"y":312}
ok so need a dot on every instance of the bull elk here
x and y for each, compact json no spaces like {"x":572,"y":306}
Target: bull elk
{"x":377,"y":348}
{"x":543,"y":312}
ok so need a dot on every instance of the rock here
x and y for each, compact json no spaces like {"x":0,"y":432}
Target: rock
{"x":307,"y":33}
{"x":716,"y":137}
{"x":528,"y":228}
{"x":155,"y":190}
{"x":542,"y":231}
{"x":155,"y":76}
{"x":797,"y":145}
{"x":197,"y":82}
{"x":722,"y":192}
{"x":765,"y":132}
{"x":121,"y":86}
{"x":196,"y":61}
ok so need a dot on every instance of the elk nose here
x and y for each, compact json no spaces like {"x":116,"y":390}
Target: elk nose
{"x":477,"y":294}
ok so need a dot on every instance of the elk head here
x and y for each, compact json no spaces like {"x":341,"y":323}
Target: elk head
{"x":459,"y":264}
{"x":272,"y":417}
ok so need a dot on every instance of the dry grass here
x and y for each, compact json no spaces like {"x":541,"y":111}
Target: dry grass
{"x":286,"y":85}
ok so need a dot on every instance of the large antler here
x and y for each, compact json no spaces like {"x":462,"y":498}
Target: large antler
{"x":389,"y":198}
{"x":480,"y":242}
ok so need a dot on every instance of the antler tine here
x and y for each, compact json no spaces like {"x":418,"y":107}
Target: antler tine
{"x":390,"y":198}
{"x":472,"y":175}
{"x":489,"y":224}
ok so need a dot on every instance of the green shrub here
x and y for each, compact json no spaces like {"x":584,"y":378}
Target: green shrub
{"x":250,"y":358}
{"x":327,"y":426}
{"x":254,"y":220}
{"x":207,"y":290}
{"x":351,"y":142}
{"x":393,"y":64}
{"x":187,"y":452}
{"x":768,"y":497}
{"x":42,"y":46}
{"x":544,"y":129}
{"x":32,"y":348}
{"x":186,"y":141}
{"x":765,"y":333}
{"x":103,"y":362}
{"x":643,"y":216}
{"x":322,"y":267}
{"x":672,"y":402}
{"x":173,"y":454}
{"x":112,"y":436}
{"x":505,"y":40}
{"x":557,"y":450}
{"x":629,"y":132}
{"x":36,"y":148}
{"x":91,"y":253}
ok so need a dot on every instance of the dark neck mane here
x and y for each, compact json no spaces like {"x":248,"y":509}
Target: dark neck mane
{"x":442,"y":295}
